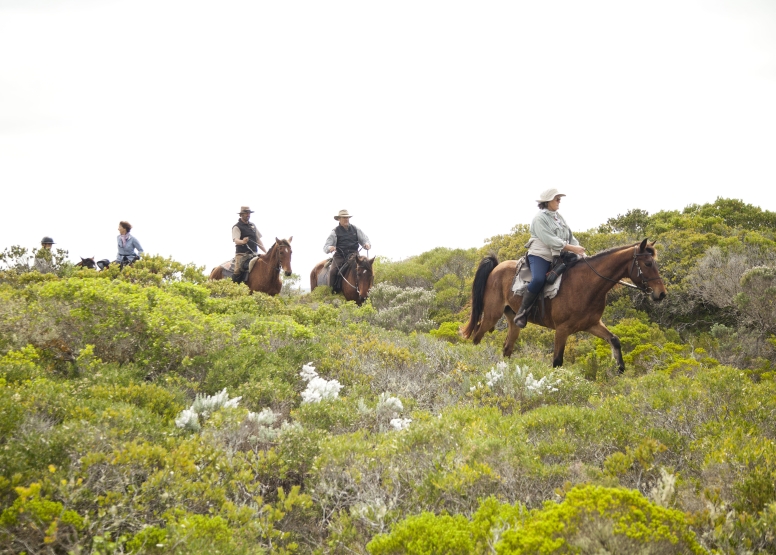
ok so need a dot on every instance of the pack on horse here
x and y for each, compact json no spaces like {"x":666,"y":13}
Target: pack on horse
{"x":356,"y":277}
{"x":579,"y":303}
{"x":264,"y":269}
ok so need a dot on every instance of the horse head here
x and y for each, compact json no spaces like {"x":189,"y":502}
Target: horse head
{"x":644,"y":271}
{"x":284,"y":254}
{"x":364,"y":277}
{"x":87,"y":263}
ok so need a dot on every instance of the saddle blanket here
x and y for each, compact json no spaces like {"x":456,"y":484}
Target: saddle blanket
{"x":228,"y":266}
{"x":323,"y":274}
{"x":523,"y":278}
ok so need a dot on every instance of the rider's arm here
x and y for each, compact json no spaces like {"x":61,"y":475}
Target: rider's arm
{"x":331,"y":241}
{"x":136,"y":244}
{"x":363,"y":240}
{"x":236,"y":236}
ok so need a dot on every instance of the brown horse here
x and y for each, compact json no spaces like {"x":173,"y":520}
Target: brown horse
{"x":579,"y":304}
{"x":265,"y":274}
{"x":356,"y":281}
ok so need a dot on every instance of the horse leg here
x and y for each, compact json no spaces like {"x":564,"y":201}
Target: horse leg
{"x":561,"y":335}
{"x":490,"y":316}
{"x":599,"y":330}
{"x":513,"y":332}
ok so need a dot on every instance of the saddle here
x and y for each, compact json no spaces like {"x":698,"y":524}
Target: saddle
{"x":227,"y":268}
{"x":552,"y":284}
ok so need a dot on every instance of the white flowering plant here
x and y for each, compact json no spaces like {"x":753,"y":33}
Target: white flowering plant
{"x":318,"y":389}
{"x":505,"y":386}
{"x":388,"y":411}
{"x":204,"y":405}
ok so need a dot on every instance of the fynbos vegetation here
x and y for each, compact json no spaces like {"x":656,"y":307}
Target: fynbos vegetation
{"x":148,"y":410}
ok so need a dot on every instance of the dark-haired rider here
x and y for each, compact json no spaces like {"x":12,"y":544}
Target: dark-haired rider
{"x":246,"y":239}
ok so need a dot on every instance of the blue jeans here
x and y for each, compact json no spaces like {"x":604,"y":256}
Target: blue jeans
{"x":539,"y":268}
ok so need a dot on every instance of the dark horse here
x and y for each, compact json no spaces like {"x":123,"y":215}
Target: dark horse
{"x":579,"y":304}
{"x":265,"y":274}
{"x":357,"y":277}
{"x":94,"y":265}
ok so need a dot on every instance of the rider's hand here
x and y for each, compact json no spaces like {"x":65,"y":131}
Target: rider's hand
{"x":367,"y":246}
{"x":576,"y":249}
{"x":332,"y":249}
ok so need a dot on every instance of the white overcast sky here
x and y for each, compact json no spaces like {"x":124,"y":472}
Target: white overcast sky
{"x":435,"y":123}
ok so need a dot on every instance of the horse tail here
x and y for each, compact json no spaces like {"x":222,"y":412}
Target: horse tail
{"x":478,"y":294}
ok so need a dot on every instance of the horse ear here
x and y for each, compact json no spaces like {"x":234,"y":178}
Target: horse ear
{"x":643,"y":245}
{"x":82,"y":258}
{"x":290,"y":238}
{"x":371,"y":260}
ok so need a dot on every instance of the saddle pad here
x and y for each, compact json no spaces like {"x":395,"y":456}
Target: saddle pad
{"x":228,"y":265}
{"x":323,"y":275}
{"x":523,"y":278}
{"x":251,"y":263}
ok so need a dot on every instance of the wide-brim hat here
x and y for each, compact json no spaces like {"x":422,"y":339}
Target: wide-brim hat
{"x":549,"y":194}
{"x":342,"y":214}
{"x":47,"y":241}
{"x":245,"y":209}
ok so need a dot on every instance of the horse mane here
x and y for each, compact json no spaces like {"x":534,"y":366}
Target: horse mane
{"x":364,"y":261}
{"x":613,"y":250}
{"x":268,"y":255}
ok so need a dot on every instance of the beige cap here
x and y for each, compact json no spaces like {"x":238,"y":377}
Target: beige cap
{"x":549,"y":194}
{"x":245,"y":209}
{"x":342,"y":214}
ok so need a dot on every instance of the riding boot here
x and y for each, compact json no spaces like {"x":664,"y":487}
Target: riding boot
{"x":237,"y":278}
{"x":521,"y":319}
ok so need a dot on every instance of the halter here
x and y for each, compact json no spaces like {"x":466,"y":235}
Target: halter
{"x":644,"y":279}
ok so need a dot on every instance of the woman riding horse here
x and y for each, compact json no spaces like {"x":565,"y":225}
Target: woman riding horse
{"x":579,"y":303}
{"x":549,"y":236}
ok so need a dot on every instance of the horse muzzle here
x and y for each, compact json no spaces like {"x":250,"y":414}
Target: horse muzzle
{"x":657,"y":297}
{"x":288,"y":273}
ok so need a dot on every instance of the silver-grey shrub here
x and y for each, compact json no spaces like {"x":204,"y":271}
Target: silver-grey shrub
{"x":402,"y":308}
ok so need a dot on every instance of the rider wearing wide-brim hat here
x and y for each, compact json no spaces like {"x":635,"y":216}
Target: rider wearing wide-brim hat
{"x":246,"y":239}
{"x":550,"y":234}
{"x":343,"y":241}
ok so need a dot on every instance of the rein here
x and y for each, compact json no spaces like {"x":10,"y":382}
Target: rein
{"x":355,"y":261}
{"x":644,"y":280}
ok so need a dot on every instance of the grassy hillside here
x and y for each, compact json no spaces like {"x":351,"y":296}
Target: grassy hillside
{"x":151,"y":411}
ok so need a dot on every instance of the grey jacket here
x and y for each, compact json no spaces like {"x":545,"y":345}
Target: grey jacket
{"x":549,"y":234}
{"x":128,"y":250}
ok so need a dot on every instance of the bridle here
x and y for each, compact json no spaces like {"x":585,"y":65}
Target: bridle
{"x":345,"y":279}
{"x":645,"y":288}
{"x":279,"y":265}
